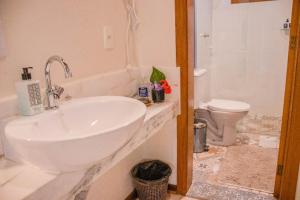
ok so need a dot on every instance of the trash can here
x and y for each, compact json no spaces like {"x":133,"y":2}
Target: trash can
{"x":200,"y":133}
{"x":151,"y":179}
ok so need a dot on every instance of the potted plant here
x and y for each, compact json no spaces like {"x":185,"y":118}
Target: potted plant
{"x":160,"y":86}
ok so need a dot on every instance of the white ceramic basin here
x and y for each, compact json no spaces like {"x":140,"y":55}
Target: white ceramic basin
{"x":77,"y":135}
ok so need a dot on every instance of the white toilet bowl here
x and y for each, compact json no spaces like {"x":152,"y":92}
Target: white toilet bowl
{"x":221,"y":117}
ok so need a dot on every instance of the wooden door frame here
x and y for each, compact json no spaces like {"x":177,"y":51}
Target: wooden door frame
{"x":184,"y":16}
{"x":289,"y":151}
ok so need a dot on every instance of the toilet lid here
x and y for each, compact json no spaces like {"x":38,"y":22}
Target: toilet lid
{"x":228,"y":105}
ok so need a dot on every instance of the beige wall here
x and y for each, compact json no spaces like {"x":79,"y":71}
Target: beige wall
{"x":156,"y":35}
{"x":35,"y":30}
{"x":155,"y":46}
{"x":117,"y":183}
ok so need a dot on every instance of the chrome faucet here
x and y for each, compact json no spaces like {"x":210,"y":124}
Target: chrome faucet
{"x":53,"y":93}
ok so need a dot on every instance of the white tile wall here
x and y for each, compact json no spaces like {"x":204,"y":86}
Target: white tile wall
{"x":203,"y":26}
{"x":249,"y":53}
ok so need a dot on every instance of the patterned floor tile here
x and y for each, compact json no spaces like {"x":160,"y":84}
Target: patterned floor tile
{"x":225,"y":173}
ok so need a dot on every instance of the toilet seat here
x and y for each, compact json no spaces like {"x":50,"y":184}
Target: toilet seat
{"x":228,"y":105}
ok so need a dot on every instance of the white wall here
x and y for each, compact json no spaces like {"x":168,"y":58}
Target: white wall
{"x":250,"y":53}
{"x":203,"y":25}
{"x":34,"y":30}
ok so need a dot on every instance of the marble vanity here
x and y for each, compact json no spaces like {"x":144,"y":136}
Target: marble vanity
{"x":19,"y":180}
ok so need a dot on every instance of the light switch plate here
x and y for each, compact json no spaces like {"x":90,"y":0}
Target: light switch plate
{"x":108,"y":36}
{"x":2,"y":45}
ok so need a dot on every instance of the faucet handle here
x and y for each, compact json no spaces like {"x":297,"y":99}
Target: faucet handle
{"x":57,"y":91}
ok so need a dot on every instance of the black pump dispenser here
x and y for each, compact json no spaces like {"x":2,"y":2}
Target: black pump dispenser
{"x":26,"y":75}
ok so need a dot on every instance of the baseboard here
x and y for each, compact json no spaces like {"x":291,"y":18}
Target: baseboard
{"x":172,"y":188}
{"x":133,"y":194}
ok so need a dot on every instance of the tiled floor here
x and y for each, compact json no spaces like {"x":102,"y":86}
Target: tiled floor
{"x":243,"y":171}
{"x":179,"y":197}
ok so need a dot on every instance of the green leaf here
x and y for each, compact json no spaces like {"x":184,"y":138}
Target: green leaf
{"x":157,"y":76}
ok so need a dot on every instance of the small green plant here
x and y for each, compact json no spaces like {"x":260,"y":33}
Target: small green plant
{"x":158,"y":79}
{"x":157,"y":76}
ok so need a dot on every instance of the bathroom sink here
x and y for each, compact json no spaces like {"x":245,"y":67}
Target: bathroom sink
{"x":77,"y":135}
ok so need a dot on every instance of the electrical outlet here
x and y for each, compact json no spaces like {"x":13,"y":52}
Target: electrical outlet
{"x":109,"y":41}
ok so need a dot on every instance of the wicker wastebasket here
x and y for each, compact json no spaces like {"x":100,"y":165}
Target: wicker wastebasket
{"x":151,"y":179}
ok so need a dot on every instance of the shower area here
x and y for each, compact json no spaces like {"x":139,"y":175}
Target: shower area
{"x":241,"y":54}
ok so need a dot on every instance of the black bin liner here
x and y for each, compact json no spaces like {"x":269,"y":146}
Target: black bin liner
{"x":151,"y":179}
{"x":151,"y":170}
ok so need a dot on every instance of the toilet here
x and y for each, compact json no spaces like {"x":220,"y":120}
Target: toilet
{"x":221,"y":117}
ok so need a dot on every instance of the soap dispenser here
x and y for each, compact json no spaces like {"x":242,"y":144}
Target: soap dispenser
{"x":29,"y":94}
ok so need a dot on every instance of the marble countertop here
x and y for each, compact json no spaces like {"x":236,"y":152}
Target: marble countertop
{"x":22,"y":181}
